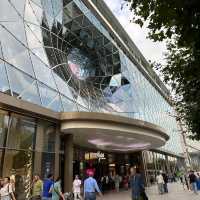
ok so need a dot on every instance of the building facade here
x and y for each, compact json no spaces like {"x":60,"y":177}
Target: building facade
{"x":75,"y":89}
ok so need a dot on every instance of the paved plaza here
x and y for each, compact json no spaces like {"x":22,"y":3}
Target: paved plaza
{"x":176,"y":192}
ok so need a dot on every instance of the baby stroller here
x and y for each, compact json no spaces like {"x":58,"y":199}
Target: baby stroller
{"x":69,"y":196}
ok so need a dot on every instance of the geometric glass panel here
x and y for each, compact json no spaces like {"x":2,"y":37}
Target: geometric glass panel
{"x":43,"y":73}
{"x":31,"y":94}
{"x":4,"y":86}
{"x":14,"y":52}
{"x":56,"y":104}
{"x":68,"y":105}
{"x":47,"y":94}
{"x":23,"y":86}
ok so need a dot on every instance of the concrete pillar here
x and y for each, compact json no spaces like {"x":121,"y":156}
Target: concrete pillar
{"x":68,"y":163}
{"x":39,"y":145}
{"x":57,"y":153}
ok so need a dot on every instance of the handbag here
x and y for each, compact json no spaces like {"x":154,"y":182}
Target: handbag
{"x":144,"y":195}
{"x":57,"y":192}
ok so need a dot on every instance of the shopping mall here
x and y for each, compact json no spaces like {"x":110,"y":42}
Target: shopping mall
{"x":76,"y":93}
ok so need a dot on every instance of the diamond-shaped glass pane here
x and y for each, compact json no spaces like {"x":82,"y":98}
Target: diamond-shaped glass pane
{"x":68,"y":105}
{"x":14,"y":52}
{"x":23,"y":86}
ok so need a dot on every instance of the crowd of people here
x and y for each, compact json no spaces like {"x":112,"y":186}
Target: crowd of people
{"x":50,"y":188}
{"x":109,"y":182}
{"x":190,"y":181}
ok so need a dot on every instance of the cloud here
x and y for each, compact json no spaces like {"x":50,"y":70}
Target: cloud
{"x":151,"y":50}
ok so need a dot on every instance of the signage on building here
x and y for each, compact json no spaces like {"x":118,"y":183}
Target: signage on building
{"x":93,"y":156}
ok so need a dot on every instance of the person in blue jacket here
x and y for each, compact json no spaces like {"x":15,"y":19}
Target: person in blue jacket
{"x":46,"y":187}
{"x":198,"y":181}
{"x":137,"y":184}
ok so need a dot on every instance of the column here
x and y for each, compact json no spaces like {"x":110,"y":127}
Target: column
{"x":68,"y":164}
{"x":57,"y":152}
{"x":39,"y":144}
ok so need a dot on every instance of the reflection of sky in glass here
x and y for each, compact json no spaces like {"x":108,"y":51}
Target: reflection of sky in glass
{"x":32,"y":63}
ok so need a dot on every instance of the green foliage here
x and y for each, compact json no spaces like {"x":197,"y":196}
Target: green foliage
{"x":178,"y":22}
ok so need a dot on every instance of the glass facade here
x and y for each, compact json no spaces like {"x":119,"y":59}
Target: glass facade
{"x":155,"y":162}
{"x":27,"y":146}
{"x":58,"y":55}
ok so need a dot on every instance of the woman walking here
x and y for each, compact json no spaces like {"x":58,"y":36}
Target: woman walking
{"x":56,"y":191}
{"x":6,"y":191}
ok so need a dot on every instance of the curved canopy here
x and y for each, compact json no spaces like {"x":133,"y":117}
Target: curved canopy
{"x":112,"y":133}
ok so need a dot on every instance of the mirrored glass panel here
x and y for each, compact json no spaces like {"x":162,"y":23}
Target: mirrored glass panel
{"x":21,"y":133}
{"x":3,"y":128}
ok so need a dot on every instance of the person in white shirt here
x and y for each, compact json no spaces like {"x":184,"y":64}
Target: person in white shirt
{"x":160,"y":182}
{"x":6,"y":192}
{"x":77,"y":188}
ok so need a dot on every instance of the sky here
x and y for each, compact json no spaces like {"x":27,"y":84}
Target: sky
{"x":151,"y":50}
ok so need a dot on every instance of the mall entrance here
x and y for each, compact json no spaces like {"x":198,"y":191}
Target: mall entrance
{"x":105,"y":165}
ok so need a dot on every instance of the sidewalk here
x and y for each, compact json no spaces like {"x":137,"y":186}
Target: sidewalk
{"x":176,"y":192}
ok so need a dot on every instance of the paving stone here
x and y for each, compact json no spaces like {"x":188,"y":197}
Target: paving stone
{"x":176,"y":192}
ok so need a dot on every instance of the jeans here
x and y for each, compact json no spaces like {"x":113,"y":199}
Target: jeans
{"x":160,"y":188}
{"x":90,"y":196}
{"x":165,"y":188}
{"x":46,"y":198}
{"x":77,"y":195}
{"x":194,"y":187}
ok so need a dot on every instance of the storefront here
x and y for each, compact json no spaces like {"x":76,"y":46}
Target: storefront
{"x":104,"y":163}
{"x":155,"y":162}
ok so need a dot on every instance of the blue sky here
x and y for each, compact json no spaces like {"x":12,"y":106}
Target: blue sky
{"x":151,"y":50}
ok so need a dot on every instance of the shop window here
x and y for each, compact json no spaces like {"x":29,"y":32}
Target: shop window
{"x":21,"y":133}
{"x":45,"y":137}
{"x":44,"y":164}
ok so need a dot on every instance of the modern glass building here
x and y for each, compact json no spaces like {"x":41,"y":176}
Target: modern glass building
{"x":75,"y":89}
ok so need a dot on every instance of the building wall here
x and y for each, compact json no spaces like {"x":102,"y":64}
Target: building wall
{"x":58,"y":55}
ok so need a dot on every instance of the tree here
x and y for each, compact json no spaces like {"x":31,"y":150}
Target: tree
{"x":177,"y":22}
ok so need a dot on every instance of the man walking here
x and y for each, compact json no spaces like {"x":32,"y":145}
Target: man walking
{"x":37,"y":188}
{"x":90,"y":187}
{"x":165,"y":178}
{"x":193,"y":179}
{"x":137,"y":185}
{"x":160,"y":182}
{"x":46,"y":187}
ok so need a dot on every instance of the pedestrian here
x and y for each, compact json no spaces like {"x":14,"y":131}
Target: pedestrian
{"x":137,"y":185}
{"x":198,"y":181}
{"x":160,"y":182}
{"x":90,"y":187}
{"x":56,"y":190}
{"x":184,"y":181}
{"x":46,"y":187}
{"x":6,"y":191}
{"x":77,"y":188}
{"x":117,"y":182}
{"x":165,"y":178}
{"x":193,"y":179}
{"x":37,"y":187}
{"x":126,"y":182}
